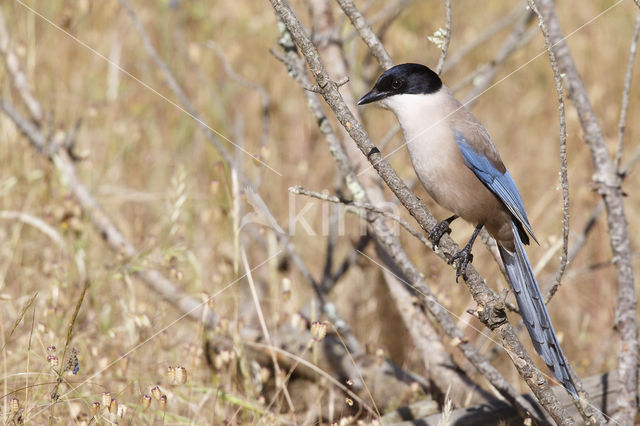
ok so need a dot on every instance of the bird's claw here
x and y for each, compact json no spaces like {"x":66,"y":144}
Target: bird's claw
{"x":438,"y":231}
{"x":462,"y":259}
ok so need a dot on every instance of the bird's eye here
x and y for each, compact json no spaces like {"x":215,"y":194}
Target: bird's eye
{"x":395,"y":85}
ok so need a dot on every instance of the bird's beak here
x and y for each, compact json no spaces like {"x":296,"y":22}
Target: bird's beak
{"x":373,"y":96}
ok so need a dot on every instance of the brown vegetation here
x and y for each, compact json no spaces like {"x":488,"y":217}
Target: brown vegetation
{"x":200,"y":346}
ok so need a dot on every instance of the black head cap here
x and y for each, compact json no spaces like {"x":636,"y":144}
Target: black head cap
{"x":403,"y":79}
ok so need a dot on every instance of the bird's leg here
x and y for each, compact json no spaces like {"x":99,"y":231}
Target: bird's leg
{"x":464,"y":256}
{"x":440,"y":229}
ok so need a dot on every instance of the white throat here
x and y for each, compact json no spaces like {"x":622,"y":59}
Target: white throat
{"x":418,"y":114}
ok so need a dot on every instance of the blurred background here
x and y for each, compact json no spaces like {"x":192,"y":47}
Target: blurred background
{"x":168,"y":190}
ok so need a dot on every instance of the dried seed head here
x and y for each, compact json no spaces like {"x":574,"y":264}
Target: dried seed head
{"x":171,"y":374}
{"x":345,"y":421}
{"x":214,"y":185}
{"x":265,"y":374}
{"x":286,"y":289}
{"x":298,"y":322}
{"x":225,"y":357}
{"x":146,"y":401}
{"x":349,"y":382}
{"x":113,"y":407}
{"x":106,"y":399}
{"x":122,"y":410}
{"x":53,"y":360}
{"x":156,"y":392}
{"x":455,"y":341}
{"x":51,"y":349}
{"x":279,"y":376}
{"x":224,"y":325}
{"x":96,"y":407}
{"x":163,"y":402}
{"x":379,"y":356}
{"x":318,"y":330}
{"x":180,"y":375}
{"x":15,"y":405}
{"x":349,"y":401}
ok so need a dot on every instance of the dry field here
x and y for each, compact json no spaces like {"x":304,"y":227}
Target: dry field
{"x":189,"y":215}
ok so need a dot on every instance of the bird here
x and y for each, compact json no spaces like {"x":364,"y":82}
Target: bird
{"x":460,"y":168}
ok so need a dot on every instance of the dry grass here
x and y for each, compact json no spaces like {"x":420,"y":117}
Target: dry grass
{"x":168,"y":191}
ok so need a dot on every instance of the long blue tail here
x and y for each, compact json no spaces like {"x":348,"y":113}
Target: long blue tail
{"x":534,"y":312}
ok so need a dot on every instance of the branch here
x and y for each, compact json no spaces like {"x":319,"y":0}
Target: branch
{"x":415,"y":323}
{"x":491,"y":309}
{"x":480,"y":39}
{"x":18,"y":79}
{"x":358,"y":208}
{"x":608,"y":183}
{"x":446,"y":38}
{"x":484,"y":75}
{"x":115,"y":240}
{"x":586,"y":406}
{"x":366,"y":33}
{"x":327,"y":307}
{"x":442,"y":369}
{"x":627,"y":89}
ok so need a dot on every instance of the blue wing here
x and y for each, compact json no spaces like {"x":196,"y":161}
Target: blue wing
{"x":501,"y":184}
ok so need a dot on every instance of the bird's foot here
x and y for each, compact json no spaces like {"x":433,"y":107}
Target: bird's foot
{"x":462,"y":259}
{"x":438,"y":231}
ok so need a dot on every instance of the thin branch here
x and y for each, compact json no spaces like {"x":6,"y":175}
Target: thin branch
{"x":564,"y":180}
{"x":446,"y":38}
{"x":608,"y":183}
{"x":265,"y":330}
{"x":390,"y":244}
{"x":484,"y":75}
{"x":328,"y":308}
{"x":388,"y":15}
{"x":482,"y":38}
{"x":627,"y":89}
{"x":366,"y":33}
{"x":491,"y":309}
{"x":18,"y":78}
{"x":265,"y":99}
{"x":359,"y":208}
{"x":586,"y":410}
{"x":111,"y":235}
{"x":348,"y":261}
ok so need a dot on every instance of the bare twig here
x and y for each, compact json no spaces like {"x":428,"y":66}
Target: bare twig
{"x":480,"y":39}
{"x":485,"y":74}
{"x":385,"y":17}
{"x":366,"y":33}
{"x":357,"y":208}
{"x":446,"y":38}
{"x":265,"y":330}
{"x":414,"y":321}
{"x":348,"y":261}
{"x":627,"y":89}
{"x":608,"y":183}
{"x":112,"y":236}
{"x":388,"y":15}
{"x":328,"y":308}
{"x":588,"y":410}
{"x":492,"y":312}
{"x":264,"y":94}
{"x":18,"y":78}
{"x":564,"y":180}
